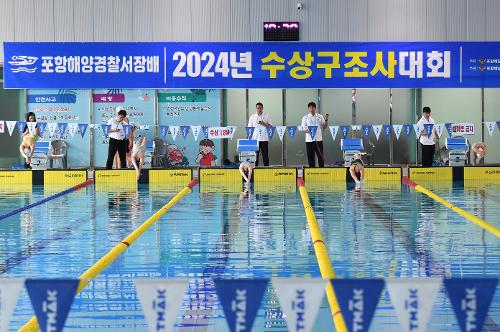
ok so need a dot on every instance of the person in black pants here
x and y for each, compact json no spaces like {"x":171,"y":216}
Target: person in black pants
{"x":117,"y":139}
{"x":427,"y":141}
{"x":314,"y":145}
{"x":261,"y":122}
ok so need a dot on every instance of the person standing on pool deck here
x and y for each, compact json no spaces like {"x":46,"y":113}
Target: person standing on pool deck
{"x":261,"y":121}
{"x":427,"y":142}
{"x":117,"y":140}
{"x":314,"y":146}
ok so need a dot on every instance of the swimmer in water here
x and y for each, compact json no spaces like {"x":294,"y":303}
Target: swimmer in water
{"x":357,"y":169}
{"x":246,"y":169}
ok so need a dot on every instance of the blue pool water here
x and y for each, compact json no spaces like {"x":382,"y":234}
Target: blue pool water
{"x":381,"y":231}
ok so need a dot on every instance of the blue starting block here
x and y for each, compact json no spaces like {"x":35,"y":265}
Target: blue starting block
{"x":40,"y":157}
{"x":247,"y":149}
{"x":457,"y":150}
{"x":349,"y":147}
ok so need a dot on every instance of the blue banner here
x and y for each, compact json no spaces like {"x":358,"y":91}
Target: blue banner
{"x":51,"y":300}
{"x":498,"y":125}
{"x":176,"y":65}
{"x":344,"y":130}
{"x":41,"y":127}
{"x":387,"y":130}
{"x":105,"y":129}
{"x":270,"y":132}
{"x":249,"y":131}
{"x":312,"y":131}
{"x":164,"y":131}
{"x":62,"y":128}
{"x":407,"y":128}
{"x":470,"y":299}
{"x":448,"y":128}
{"x":291,"y":131}
{"x":240,"y":299}
{"x":358,"y":299}
{"x":82,"y":127}
{"x":428,"y":129}
{"x":184,"y":131}
{"x":366,"y":130}
{"x":21,"y":125}
{"x":50,"y":98}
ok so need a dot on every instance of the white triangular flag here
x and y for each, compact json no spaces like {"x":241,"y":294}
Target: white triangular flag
{"x":377,"y":129}
{"x":31,"y":127}
{"x":417,"y":130}
{"x":10,"y":126}
{"x":9,"y":293}
{"x":490,"y":125}
{"x":334,"y":130}
{"x":260,"y":133}
{"x":356,"y":127}
{"x":397,"y":130}
{"x":174,"y":130}
{"x":439,"y":128}
{"x":413,"y":299}
{"x":281,"y":131}
{"x":196,"y":131}
{"x":52,"y":128}
{"x":161,"y":301}
{"x":73,"y":128}
{"x":233,"y":130}
{"x":300,"y":300}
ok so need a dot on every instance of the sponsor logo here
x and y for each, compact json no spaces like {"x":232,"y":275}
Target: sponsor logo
{"x":283,"y":174}
{"x":23,"y":63}
{"x":388,"y":173}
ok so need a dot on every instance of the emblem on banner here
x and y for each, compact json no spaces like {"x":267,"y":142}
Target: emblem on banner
{"x":21,"y":63}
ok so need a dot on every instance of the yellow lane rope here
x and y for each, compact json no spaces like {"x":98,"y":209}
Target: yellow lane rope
{"x":101,"y":264}
{"x":325,"y":265}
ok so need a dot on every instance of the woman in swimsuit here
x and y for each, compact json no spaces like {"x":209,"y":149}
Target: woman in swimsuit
{"x":357,"y":169}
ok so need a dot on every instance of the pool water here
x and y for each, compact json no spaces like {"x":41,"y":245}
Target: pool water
{"x":387,"y":230}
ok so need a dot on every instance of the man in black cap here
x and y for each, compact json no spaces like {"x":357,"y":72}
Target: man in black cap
{"x":427,"y":141}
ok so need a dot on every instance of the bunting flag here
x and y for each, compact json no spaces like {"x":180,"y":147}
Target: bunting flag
{"x":498,"y":125}
{"x":358,"y":299}
{"x":72,"y":128}
{"x":41,"y":127}
{"x":10,"y":126}
{"x":233,"y":130}
{"x":397,"y":130}
{"x":377,"y":129}
{"x":312,"y":131}
{"x":491,"y":127}
{"x":2,"y":126}
{"x":161,"y":300}
{"x":62,"y":128}
{"x":291,"y":131}
{"x":260,"y":133}
{"x":164,"y":131}
{"x":428,"y":129}
{"x":174,"y":130}
{"x":387,"y":130}
{"x":449,"y":128}
{"x":126,"y":130}
{"x":249,"y":131}
{"x":413,"y":299}
{"x":31,"y":127}
{"x":144,"y":127}
{"x":9,"y":293}
{"x":83,"y":128}
{"x":105,"y":129}
{"x":270,"y":132}
{"x":407,"y":128}
{"x":240,"y":299}
{"x":205,"y":131}
{"x":281,"y":131}
{"x":344,"y":130}
{"x":439,"y":129}
{"x":356,"y":127}
{"x":417,"y":130}
{"x":184,"y":130}
{"x":333,"y":131}
{"x":366,"y":130}
{"x":300,"y":300}
{"x":21,"y":125}
{"x":196,"y":132}
{"x":471,"y":299}
{"x":51,"y":300}
{"x":52,"y":128}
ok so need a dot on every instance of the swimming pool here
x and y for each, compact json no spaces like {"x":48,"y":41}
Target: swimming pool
{"x":385,"y":230}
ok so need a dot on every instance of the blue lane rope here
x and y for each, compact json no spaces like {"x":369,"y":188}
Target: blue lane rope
{"x":46,"y":199}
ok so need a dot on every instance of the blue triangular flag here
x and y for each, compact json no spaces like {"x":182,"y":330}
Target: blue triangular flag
{"x":21,"y":125}
{"x":249,"y":131}
{"x":105,"y":129}
{"x":358,"y":299}
{"x":344,"y":130}
{"x":498,"y":125}
{"x":240,"y":299}
{"x":270,"y":131}
{"x":470,"y":299}
{"x":407,"y":128}
{"x":205,"y":131}
{"x":312,"y":131}
{"x":428,"y":129}
{"x":51,"y":300}
{"x":41,"y":127}
{"x":126,"y":130}
{"x":184,"y":131}
{"x":83,"y":128}
{"x":62,"y":128}
{"x":387,"y":130}
{"x":366,"y":130}
{"x":448,"y":128}
{"x":164,"y":131}
{"x":291,"y":131}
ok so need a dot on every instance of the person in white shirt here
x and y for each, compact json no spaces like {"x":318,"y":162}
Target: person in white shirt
{"x":260,"y":122}
{"x":117,"y":140}
{"x":426,"y":141}
{"x":314,"y":145}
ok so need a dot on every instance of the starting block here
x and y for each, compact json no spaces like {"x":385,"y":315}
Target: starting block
{"x":247,"y":149}
{"x":148,"y":155}
{"x":457,"y":151}
{"x":40,"y":157}
{"x":349,"y":148}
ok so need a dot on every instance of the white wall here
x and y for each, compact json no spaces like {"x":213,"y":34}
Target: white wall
{"x":241,"y":20}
